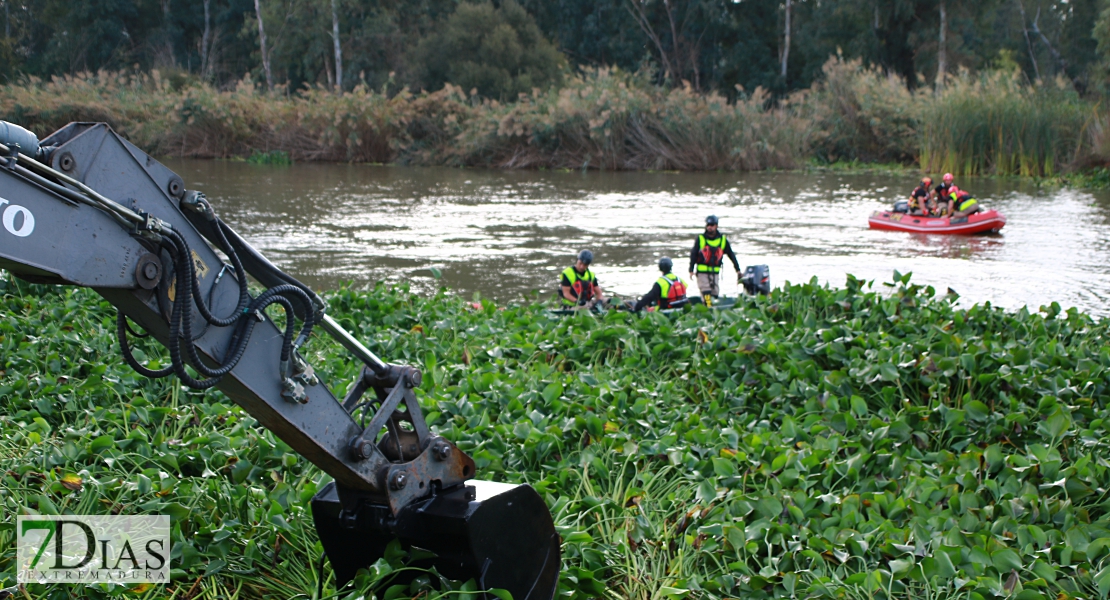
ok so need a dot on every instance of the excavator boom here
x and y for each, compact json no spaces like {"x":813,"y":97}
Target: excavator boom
{"x":85,"y":207}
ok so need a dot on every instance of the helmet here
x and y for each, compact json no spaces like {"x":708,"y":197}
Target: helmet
{"x":947,"y":178}
{"x":666,"y":264}
{"x":927,"y":181}
{"x":711,"y":220}
{"x":586,"y":256}
{"x":953,"y":190}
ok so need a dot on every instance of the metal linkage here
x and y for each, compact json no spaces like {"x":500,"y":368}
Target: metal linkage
{"x":91,"y":196}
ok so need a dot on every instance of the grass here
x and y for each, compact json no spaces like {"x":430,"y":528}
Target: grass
{"x":273,"y":157}
{"x":990,"y":123}
{"x":821,"y":442}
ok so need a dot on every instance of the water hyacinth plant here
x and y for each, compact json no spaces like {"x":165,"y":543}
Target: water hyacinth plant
{"x":820,"y":442}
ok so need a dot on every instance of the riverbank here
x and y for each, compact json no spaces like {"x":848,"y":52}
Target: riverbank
{"x":602,"y":119}
{"x":819,"y":442}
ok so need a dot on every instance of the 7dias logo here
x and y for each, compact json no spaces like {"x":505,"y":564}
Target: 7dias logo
{"x":93,"y":549}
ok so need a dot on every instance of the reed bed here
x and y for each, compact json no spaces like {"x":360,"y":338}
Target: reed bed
{"x":600,"y":119}
{"x":995,"y":124}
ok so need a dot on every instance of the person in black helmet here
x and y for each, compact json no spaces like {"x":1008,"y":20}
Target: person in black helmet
{"x":669,"y":291}
{"x":577,"y":285}
{"x":708,"y":256}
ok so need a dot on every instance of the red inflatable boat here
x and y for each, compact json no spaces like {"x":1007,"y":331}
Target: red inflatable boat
{"x":988,"y":220}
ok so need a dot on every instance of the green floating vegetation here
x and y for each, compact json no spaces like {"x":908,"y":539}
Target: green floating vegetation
{"x":820,"y":442}
{"x":273,"y":157}
{"x":1095,"y":178}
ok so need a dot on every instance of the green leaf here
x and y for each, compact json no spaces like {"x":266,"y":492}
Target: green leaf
{"x":859,"y":406}
{"x":214,"y":567}
{"x":945,"y":568}
{"x":1005,"y":560}
{"x":1102,"y":580}
{"x":176,"y":511}
{"x":888,"y":372}
{"x":769,"y":507}
{"x":977,"y":410}
{"x":1057,"y":423}
{"x":724,"y":467}
{"x":578,"y":537}
{"x":552,"y":392}
{"x":399,"y":590}
{"x":902,"y":565}
{"x":707,"y":491}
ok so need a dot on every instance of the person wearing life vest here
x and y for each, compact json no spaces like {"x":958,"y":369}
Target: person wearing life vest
{"x":669,"y":291}
{"x":961,"y":203}
{"x":578,"y":285}
{"x":940,"y":193}
{"x":707,"y":257}
{"x":919,"y":197}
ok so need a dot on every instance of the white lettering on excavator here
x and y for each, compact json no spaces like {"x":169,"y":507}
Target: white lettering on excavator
{"x":9,"y":215}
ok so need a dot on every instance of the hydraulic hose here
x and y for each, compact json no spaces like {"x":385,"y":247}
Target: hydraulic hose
{"x":288,"y":290}
{"x":181,"y":323}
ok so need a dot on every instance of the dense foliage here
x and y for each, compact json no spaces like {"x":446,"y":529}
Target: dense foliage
{"x":497,"y":52}
{"x":819,"y":442}
{"x":713,"y":44}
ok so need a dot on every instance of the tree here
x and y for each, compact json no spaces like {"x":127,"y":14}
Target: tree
{"x":786,"y":41}
{"x":498,"y":51}
{"x":338,"y":51}
{"x":942,"y":48}
{"x":262,"y":43}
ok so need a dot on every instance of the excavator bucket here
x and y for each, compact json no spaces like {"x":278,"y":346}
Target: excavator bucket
{"x":500,"y":535}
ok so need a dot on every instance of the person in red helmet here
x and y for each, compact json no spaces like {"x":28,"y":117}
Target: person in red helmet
{"x":940,"y":193}
{"x":961,"y":203}
{"x":919,"y":197}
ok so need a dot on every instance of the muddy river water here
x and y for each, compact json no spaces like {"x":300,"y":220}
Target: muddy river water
{"x":507,"y":234}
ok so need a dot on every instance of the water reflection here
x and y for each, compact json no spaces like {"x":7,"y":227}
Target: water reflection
{"x":508,"y":234}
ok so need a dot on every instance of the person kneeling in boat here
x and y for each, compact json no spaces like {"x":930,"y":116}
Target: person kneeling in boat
{"x":961,"y":203}
{"x":708,"y":256}
{"x":578,"y":285}
{"x":669,"y":291}
{"x":919,"y":197}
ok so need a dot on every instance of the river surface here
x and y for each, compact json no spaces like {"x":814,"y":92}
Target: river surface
{"x":508,"y":234}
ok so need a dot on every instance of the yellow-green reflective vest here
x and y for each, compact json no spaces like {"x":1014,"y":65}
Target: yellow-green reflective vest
{"x":964,"y":201}
{"x":710,"y":254}
{"x":579,"y":284}
{"x":671,"y":289}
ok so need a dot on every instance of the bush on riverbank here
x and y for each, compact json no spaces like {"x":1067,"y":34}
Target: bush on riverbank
{"x":819,"y":442}
{"x":604,"y":119}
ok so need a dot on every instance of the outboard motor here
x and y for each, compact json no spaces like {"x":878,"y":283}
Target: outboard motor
{"x":902,"y":206}
{"x":757,"y":280}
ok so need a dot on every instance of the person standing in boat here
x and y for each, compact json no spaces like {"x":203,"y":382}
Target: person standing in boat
{"x":708,"y":256}
{"x":961,"y":203}
{"x":669,"y":291}
{"x":919,"y":197}
{"x":578,"y":285}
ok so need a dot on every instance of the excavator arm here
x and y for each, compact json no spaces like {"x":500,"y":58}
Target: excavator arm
{"x":86,"y":207}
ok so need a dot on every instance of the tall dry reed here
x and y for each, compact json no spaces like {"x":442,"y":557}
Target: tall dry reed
{"x":600,"y":119}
